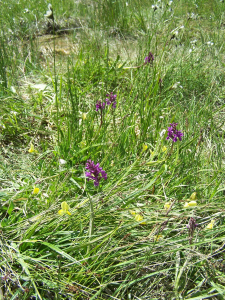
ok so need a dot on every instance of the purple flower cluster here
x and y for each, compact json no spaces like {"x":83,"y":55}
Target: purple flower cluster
{"x":94,"y":172}
{"x":173,"y":133}
{"x":191,"y":228}
{"x":111,"y":99}
{"x":100,"y":105}
{"x":192,"y":224}
{"x":149,"y":59}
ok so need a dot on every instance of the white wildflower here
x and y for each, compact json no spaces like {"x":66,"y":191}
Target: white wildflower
{"x":62,"y":161}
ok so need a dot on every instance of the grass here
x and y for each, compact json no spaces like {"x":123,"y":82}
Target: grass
{"x":131,"y":237}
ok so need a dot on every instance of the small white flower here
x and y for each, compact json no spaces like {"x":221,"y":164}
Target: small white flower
{"x":209,"y":43}
{"x":50,"y":7}
{"x":13,"y":89}
{"x":162,"y":132}
{"x":2,"y":126}
{"x":49,"y":13}
{"x":62,"y":161}
{"x":13,"y":112}
{"x":193,"y":42}
{"x":175,"y":86}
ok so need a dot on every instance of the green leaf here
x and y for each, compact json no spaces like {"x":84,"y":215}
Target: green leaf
{"x":61,"y":252}
{"x":11,"y":207}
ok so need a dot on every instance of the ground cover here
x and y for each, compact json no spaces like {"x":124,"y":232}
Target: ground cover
{"x":112,"y":150}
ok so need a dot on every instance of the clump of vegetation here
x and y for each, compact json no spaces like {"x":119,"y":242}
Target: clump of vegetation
{"x":112,"y":150}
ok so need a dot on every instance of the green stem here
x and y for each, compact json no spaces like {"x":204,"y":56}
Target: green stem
{"x":56,"y":89}
{"x":91,"y":222}
{"x":59,"y":273}
{"x":171,"y":150}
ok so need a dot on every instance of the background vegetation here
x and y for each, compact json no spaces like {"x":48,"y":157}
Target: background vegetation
{"x":134,"y":236}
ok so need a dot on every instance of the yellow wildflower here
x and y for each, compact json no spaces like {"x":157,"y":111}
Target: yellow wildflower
{"x":190,"y":204}
{"x":193,"y":196}
{"x":158,"y":237}
{"x":32,"y":150}
{"x":84,"y":116}
{"x":167,"y":205}
{"x":164,"y":149}
{"x":145,"y":147}
{"x":65,"y":209}
{"x":210,"y":225}
{"x":36,"y":190}
{"x":132,"y":212}
{"x":139,"y":218}
{"x":83,"y":144}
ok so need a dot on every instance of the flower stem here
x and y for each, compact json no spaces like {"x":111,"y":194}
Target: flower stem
{"x":171,"y":150}
{"x":101,"y":118}
{"x":91,"y":222}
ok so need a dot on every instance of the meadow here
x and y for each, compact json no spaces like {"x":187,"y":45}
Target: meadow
{"x":112,"y":127}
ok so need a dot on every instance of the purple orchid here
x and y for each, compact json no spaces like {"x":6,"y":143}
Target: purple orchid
{"x":149,"y":59}
{"x":173,"y":133}
{"x":100,"y":105}
{"x":94,"y":172}
{"x":191,"y":228}
{"x":111,"y":99}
